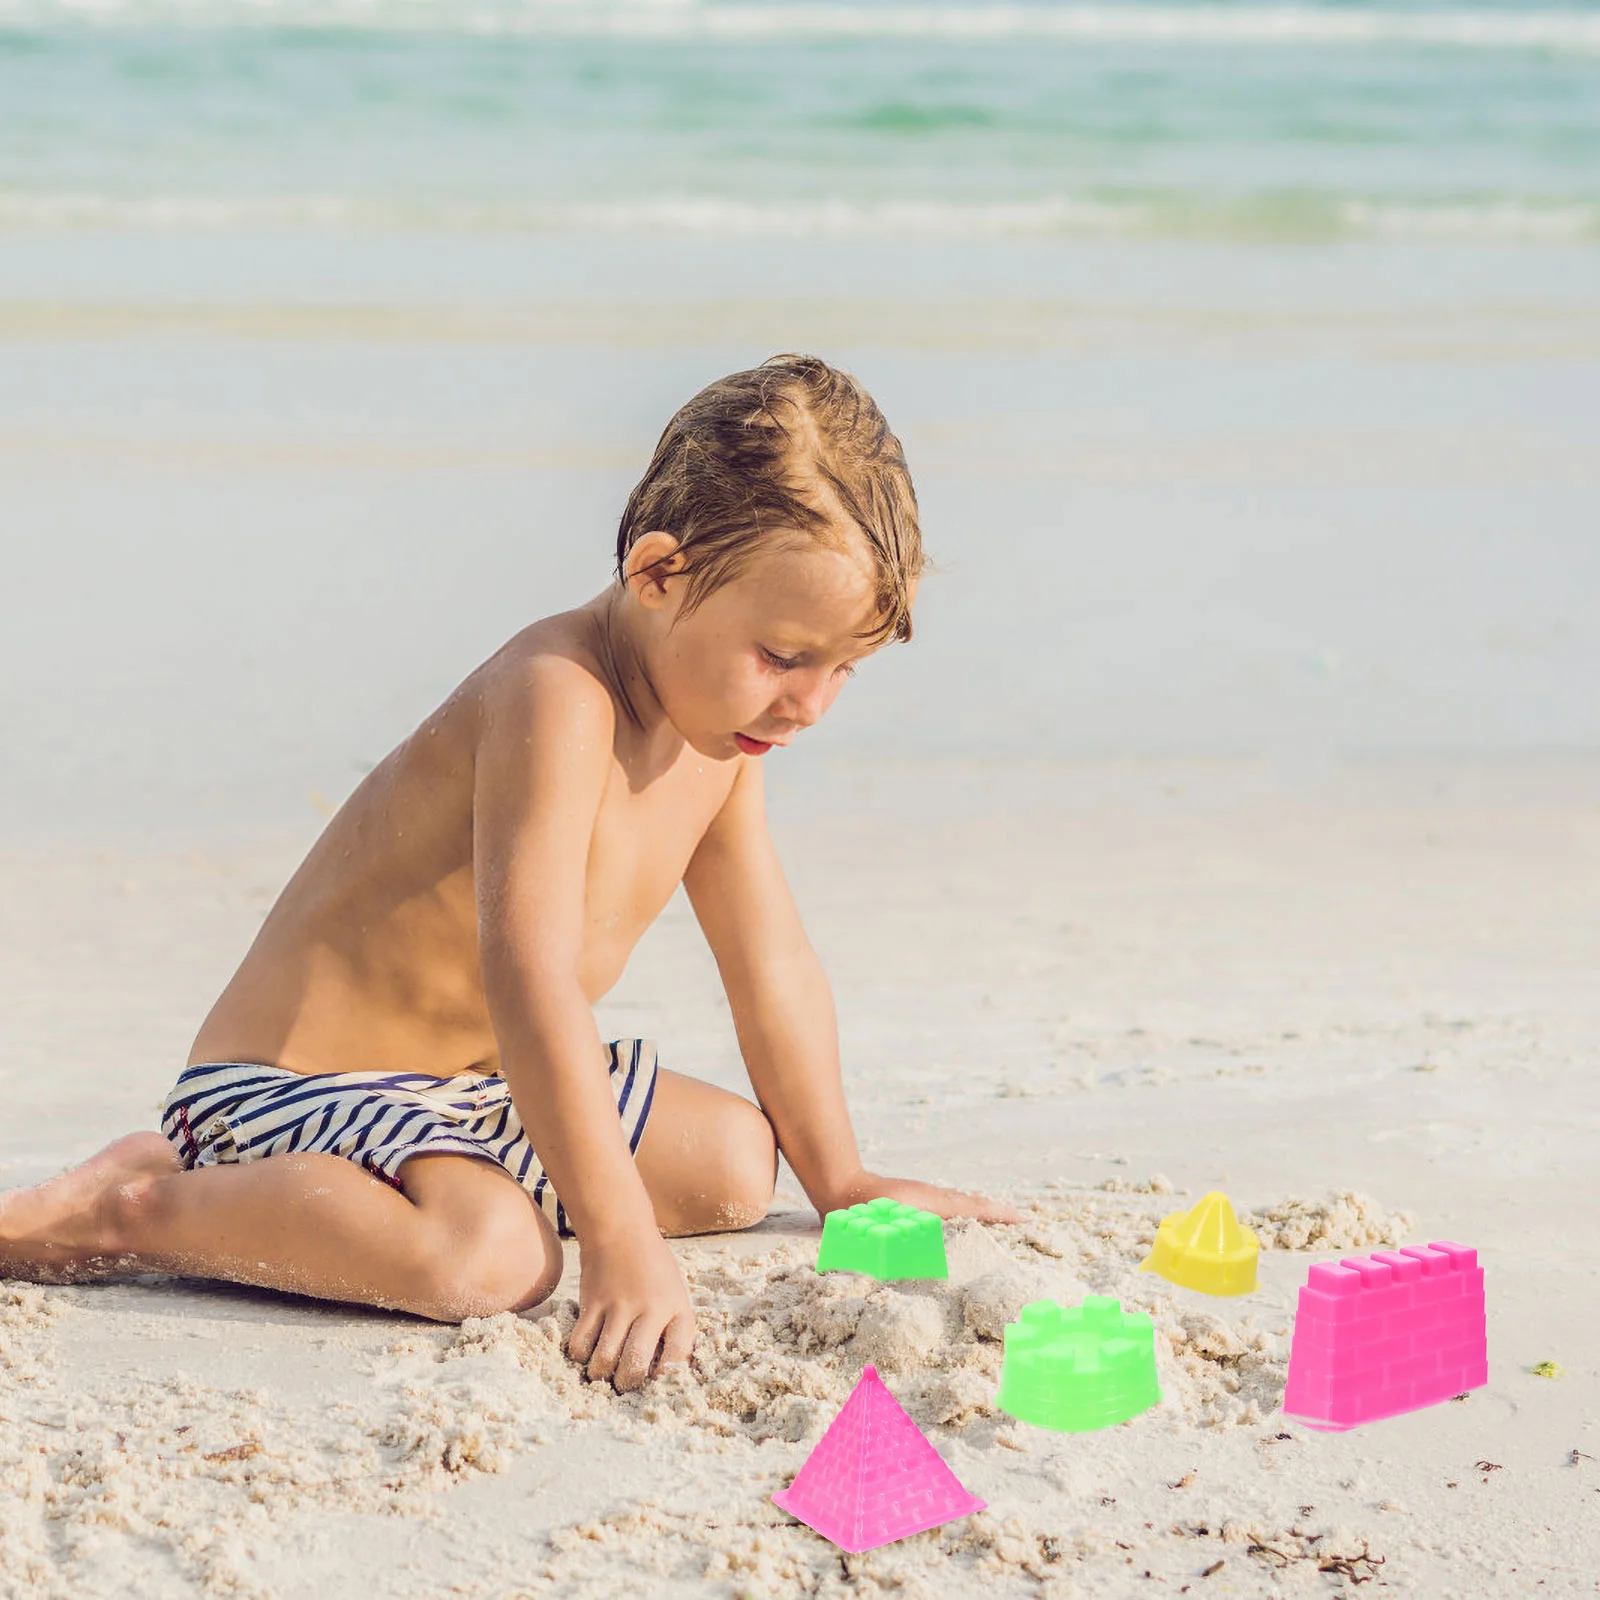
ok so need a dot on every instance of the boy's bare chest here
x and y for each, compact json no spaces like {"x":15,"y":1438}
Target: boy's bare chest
{"x":642,"y":843}
{"x":389,"y":913}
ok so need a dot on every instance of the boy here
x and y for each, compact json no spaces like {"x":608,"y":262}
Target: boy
{"x":401,"y":1097}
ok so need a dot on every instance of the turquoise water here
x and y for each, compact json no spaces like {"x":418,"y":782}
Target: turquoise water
{"x":1299,"y":121}
{"x":1246,"y":356}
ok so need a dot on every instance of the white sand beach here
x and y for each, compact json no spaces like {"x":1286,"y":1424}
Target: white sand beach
{"x":1367,"y":1012}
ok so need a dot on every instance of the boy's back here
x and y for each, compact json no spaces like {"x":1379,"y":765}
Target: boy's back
{"x":369,"y":959}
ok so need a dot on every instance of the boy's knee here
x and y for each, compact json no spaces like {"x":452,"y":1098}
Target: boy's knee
{"x":507,"y":1259}
{"x":750,"y":1167}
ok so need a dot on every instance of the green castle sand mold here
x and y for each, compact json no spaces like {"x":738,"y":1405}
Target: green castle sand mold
{"x":1079,"y":1368}
{"x":885,"y":1240}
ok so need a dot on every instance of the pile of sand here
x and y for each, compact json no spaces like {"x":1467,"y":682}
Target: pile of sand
{"x":779,"y":1347}
{"x":1343,"y":1220}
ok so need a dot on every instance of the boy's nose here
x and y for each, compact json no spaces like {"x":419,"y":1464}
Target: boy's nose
{"x":804,"y":709}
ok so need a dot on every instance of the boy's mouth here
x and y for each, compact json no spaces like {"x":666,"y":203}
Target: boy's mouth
{"x":751,"y":747}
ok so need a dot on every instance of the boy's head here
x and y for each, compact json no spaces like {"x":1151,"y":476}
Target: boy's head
{"x":774,"y":542}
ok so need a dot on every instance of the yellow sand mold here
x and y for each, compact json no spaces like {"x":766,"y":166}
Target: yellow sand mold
{"x":1205,"y":1248}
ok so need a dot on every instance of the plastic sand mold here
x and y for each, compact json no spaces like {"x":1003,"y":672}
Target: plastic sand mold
{"x":873,"y":1477}
{"x":1079,"y":1368}
{"x":885,"y":1240}
{"x":1375,"y":1336}
{"x":1205,"y":1248}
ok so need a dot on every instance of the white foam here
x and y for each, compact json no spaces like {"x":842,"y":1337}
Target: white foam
{"x":19,"y":209}
{"x":1564,"y":30}
{"x":856,"y":219}
{"x":716,"y":217}
{"x":1552,"y":222}
{"x":722,"y":217}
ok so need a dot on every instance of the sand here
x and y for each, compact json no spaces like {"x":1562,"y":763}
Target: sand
{"x":1365,"y":1007}
{"x":203,"y":1473}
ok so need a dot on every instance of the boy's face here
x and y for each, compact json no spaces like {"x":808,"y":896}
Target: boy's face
{"x":764,"y":656}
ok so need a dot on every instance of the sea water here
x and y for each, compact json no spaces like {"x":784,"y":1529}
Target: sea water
{"x":1247,"y":357}
{"x":804,"y":118}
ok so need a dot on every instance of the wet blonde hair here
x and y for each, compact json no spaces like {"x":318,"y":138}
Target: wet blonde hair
{"x":793,"y":446}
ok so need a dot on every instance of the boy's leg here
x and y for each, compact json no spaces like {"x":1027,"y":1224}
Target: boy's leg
{"x":464,"y":1239}
{"x":708,"y":1158}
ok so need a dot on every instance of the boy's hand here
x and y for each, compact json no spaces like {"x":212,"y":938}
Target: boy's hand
{"x":631,"y":1299}
{"x":925,"y":1197}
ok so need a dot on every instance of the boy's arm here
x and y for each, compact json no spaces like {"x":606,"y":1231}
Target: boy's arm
{"x":544,"y":751}
{"x":783,"y":1011}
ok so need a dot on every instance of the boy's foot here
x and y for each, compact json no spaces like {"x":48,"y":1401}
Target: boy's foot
{"x":54,"y":1232}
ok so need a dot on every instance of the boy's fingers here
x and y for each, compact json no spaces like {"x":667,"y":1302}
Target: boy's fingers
{"x":983,"y":1209}
{"x":677,"y":1343}
{"x":638,"y":1354}
{"x":581,"y":1341}
{"x":603,"y":1362}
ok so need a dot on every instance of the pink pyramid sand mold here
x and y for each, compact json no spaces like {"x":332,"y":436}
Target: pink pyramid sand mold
{"x":1381,"y":1335}
{"x":873,"y":1478}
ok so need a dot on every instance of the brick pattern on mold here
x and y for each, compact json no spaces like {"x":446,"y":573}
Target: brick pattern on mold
{"x":874,"y":1477}
{"x":1378,"y":1335}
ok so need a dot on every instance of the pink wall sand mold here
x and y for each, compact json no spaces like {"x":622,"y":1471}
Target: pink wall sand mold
{"x":1378,"y":1335}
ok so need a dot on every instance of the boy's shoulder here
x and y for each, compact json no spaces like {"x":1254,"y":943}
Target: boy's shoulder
{"x":550,"y":725}
{"x":552,"y":669}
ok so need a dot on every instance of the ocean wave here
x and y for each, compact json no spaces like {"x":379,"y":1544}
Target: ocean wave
{"x":20,"y":210}
{"x":1266,"y":219}
{"x":1463,"y":27}
{"x":718,"y":217}
{"x":1553,"y":222}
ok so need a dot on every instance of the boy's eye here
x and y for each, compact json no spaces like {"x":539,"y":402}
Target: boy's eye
{"x":789,"y":663}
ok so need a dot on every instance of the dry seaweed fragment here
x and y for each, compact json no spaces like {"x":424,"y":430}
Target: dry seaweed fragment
{"x":235,"y":1452}
{"x":1358,"y":1565}
{"x":1273,"y":1556}
{"x":1351,"y":1566}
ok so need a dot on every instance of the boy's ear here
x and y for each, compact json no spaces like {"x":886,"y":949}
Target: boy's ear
{"x":654,"y":558}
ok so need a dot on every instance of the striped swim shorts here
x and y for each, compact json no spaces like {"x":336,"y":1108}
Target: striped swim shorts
{"x":230,"y":1111}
